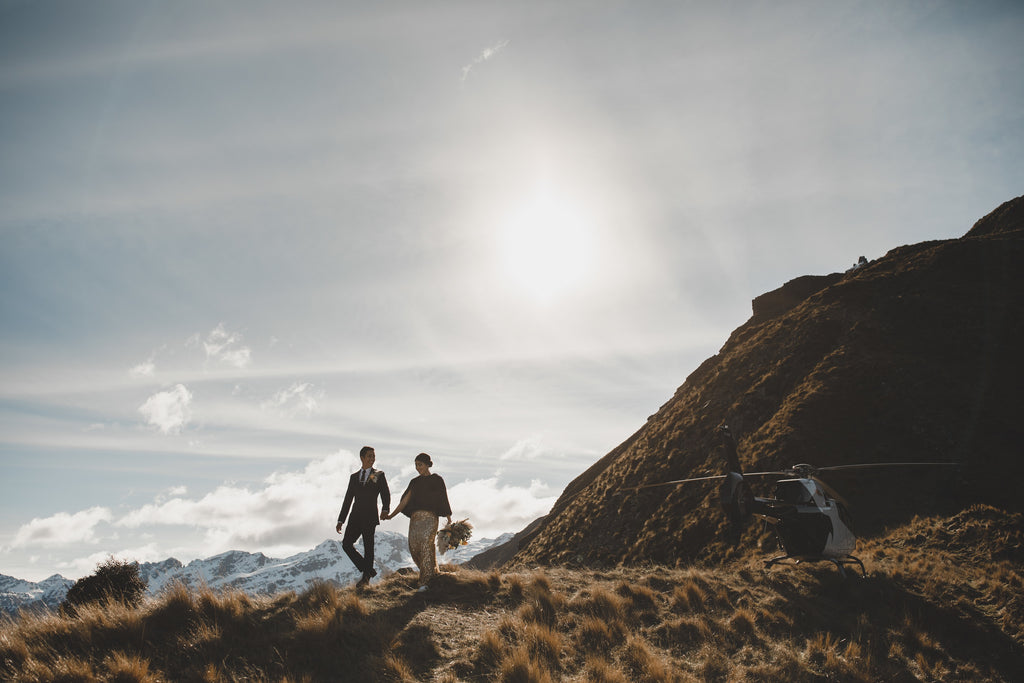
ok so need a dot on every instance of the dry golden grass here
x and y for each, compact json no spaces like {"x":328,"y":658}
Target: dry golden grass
{"x":920,"y":615}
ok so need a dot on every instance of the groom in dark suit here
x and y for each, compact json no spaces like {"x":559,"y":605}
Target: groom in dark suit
{"x":363,"y":488}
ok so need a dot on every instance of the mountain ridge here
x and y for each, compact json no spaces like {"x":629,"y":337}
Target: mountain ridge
{"x":251,"y":573}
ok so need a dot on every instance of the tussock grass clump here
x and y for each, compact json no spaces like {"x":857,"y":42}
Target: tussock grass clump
{"x":490,"y":651}
{"x":499,"y":650}
{"x":594,"y":634}
{"x":318,"y":595}
{"x":601,"y":603}
{"x":417,"y":647}
{"x":124,"y":668}
{"x":685,"y":633}
{"x":688,"y":598}
{"x":543,"y":644}
{"x":175,"y":610}
{"x":742,"y":623}
{"x":519,"y":667}
{"x":639,"y":596}
{"x":395,"y":668}
{"x":645,"y":663}
{"x":14,"y":651}
{"x":542,"y":606}
{"x":833,"y":659}
{"x":712,"y":664}
{"x":600,"y":670}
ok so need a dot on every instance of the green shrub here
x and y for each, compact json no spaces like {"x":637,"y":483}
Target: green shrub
{"x":114,"y":580}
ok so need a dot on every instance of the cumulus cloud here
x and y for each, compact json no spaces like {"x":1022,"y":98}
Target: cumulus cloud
{"x":293,"y":509}
{"x":172,"y":492}
{"x":487,"y":54}
{"x":62,"y":529}
{"x":83,"y":566}
{"x":169,"y":411}
{"x":299,"y":398}
{"x":495,"y":508}
{"x":226,"y":347}
{"x":287,"y":512}
{"x":526,"y":449}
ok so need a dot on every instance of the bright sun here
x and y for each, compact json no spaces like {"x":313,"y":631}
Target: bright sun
{"x":547,"y":246}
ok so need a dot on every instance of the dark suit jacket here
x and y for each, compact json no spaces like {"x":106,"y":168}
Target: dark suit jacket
{"x":362,"y":498}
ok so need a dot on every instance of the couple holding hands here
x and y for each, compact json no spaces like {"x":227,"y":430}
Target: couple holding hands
{"x":423,"y":502}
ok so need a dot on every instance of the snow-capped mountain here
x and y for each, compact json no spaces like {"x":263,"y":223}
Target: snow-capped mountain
{"x":255,"y":573}
{"x":16,"y":593}
{"x":466,"y":552}
{"x":252,"y":573}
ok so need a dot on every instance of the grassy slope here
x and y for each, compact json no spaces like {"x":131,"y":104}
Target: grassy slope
{"x":938,"y":604}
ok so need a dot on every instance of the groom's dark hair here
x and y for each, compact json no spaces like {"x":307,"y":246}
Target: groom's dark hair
{"x":364,"y":450}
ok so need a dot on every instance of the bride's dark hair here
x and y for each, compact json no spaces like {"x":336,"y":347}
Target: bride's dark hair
{"x":425,"y":459}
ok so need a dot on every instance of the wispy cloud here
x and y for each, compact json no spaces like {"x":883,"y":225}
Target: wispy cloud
{"x":299,"y":398}
{"x":294,"y":509}
{"x":224,"y":346}
{"x":144,"y":369}
{"x":62,"y":529}
{"x":487,"y":54}
{"x":169,"y":411}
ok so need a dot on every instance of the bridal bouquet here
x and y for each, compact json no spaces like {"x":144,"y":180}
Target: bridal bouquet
{"x":453,"y":535}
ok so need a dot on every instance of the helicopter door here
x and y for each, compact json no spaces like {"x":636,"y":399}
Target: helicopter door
{"x":804,"y":534}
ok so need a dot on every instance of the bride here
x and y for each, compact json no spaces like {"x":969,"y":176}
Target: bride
{"x":424,"y":500}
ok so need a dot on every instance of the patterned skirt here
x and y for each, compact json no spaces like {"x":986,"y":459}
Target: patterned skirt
{"x":422,"y":536}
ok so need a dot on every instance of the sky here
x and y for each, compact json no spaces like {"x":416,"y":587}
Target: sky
{"x":240,"y":240}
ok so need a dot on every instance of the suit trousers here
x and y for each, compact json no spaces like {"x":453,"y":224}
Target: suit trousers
{"x":355,"y":529}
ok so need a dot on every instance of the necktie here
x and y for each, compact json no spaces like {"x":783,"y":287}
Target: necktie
{"x":363,"y":480}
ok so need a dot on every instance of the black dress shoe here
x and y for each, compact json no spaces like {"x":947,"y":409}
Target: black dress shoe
{"x":364,"y":581}
{"x":372,"y":573}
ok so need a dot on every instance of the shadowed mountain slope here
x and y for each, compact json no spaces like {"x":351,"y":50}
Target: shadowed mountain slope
{"x":915,"y":356}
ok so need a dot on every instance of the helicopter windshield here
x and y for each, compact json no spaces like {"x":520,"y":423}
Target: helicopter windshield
{"x":793,"y":491}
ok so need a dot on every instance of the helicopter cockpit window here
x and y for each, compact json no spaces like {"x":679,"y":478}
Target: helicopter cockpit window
{"x":793,"y":491}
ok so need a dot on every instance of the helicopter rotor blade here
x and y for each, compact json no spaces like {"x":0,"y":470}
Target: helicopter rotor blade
{"x":834,"y":468}
{"x":712,"y":477}
{"x":790,"y":473}
{"x":679,"y":481}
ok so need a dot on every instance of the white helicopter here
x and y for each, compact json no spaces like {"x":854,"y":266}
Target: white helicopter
{"x":811,"y":522}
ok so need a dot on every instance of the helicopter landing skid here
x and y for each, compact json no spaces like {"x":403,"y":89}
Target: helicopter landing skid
{"x":837,"y":561}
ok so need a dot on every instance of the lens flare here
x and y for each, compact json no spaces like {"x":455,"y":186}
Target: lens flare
{"x":547,"y":246}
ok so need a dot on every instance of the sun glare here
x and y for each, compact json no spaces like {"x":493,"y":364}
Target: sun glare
{"x":547,"y":246}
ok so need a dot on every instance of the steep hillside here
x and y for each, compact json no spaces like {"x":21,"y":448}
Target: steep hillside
{"x":913,"y":357}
